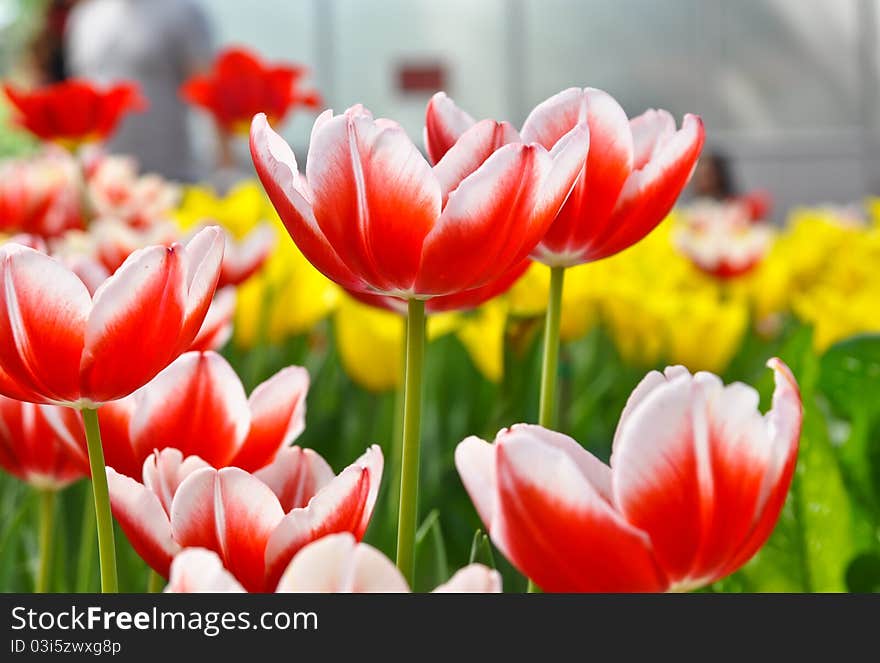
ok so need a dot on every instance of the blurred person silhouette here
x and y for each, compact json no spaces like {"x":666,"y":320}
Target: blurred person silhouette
{"x":159,"y":44}
{"x":713,"y":179}
{"x":46,"y":61}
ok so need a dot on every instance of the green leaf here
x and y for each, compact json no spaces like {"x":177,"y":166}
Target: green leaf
{"x":481,"y":550}
{"x":816,"y":536}
{"x":432,"y":567}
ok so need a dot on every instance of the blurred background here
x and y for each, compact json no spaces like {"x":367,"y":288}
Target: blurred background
{"x":789,"y":89}
{"x":790,"y":94}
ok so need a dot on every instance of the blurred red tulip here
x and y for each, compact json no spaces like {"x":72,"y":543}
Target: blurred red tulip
{"x":38,"y":444}
{"x":198,"y":405}
{"x":184,"y":503}
{"x":696,"y":483}
{"x":333,"y":564}
{"x":74,"y":112}
{"x":632,"y":175}
{"x":60,"y":345}
{"x":374,"y":217}
{"x":241,"y":85}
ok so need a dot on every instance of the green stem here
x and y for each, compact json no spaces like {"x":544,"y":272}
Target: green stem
{"x":551,"y":349}
{"x":86,"y":558}
{"x":47,"y":522}
{"x":104,"y":518}
{"x":412,"y":412}
{"x":397,"y":439}
{"x":550,"y":365}
{"x":155,"y":582}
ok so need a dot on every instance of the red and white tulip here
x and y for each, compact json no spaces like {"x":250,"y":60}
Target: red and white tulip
{"x":333,"y":564}
{"x":696,"y":482}
{"x":372,"y":215}
{"x":630,"y":178}
{"x":198,"y":405}
{"x":256,"y":523}
{"x":61,"y":345}
{"x":39,"y":444}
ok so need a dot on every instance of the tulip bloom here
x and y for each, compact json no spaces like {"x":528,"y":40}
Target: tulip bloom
{"x":240,"y":85}
{"x":334,"y":564}
{"x":59,"y":345}
{"x":40,"y":195}
{"x":721,"y":239}
{"x":217,"y":328}
{"x":74,"y":112}
{"x":256,"y":523}
{"x":37,"y":444}
{"x":198,"y":405}
{"x":116,"y":190}
{"x":696,"y":483}
{"x":374,"y":217}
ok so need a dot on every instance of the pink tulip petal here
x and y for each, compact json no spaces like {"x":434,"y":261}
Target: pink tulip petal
{"x":230,"y":512}
{"x":278,"y":412}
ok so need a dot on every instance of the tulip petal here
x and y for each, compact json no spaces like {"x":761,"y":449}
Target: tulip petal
{"x":295,"y":476}
{"x":241,"y":261}
{"x":165,"y":470}
{"x":230,"y":512}
{"x":649,"y":193}
{"x":587,"y":211}
{"x":197,"y":404}
{"x":216,"y":330}
{"x":203,"y":256}
{"x":135,"y":323}
{"x":343,"y":505}
{"x":144,"y":521}
{"x":485,"y":222}
{"x":375,"y":198}
{"x":339,"y":564}
{"x":197,"y":570}
{"x":43,"y":313}
{"x":472,"y":579}
{"x":469,"y":152}
{"x":444,"y":125}
{"x":277,"y":169}
{"x":114,"y":418}
{"x":551,"y":522}
{"x":278,"y":412}
{"x":695,"y":466}
{"x":553,"y":118}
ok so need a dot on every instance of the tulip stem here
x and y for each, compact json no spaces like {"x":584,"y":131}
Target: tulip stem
{"x":409,"y":466}
{"x":547,"y":412}
{"x":104,"y":518}
{"x":550,"y":365}
{"x":47,"y":524}
{"x":86,"y":557}
{"x":154,"y":582}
